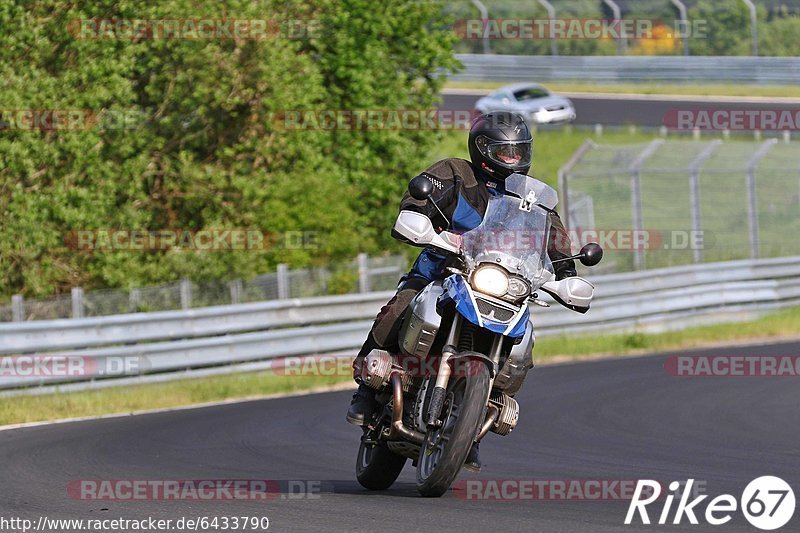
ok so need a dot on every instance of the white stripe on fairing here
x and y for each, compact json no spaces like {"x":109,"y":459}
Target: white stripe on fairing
{"x":474,"y":303}
{"x":514,"y":322}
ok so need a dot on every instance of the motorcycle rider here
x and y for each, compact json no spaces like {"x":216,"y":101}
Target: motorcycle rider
{"x":500,"y":144}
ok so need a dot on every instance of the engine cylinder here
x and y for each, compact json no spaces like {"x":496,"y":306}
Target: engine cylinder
{"x":509,"y":413}
{"x":377,"y":369}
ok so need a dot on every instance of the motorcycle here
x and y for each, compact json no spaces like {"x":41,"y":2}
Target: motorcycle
{"x":466,"y":341}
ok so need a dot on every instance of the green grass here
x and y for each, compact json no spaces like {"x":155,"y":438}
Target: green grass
{"x":692,"y":89}
{"x":776,"y":325}
{"x":154,"y":396}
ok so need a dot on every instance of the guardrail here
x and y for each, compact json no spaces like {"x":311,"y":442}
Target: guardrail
{"x":214,"y":338}
{"x":609,"y":69}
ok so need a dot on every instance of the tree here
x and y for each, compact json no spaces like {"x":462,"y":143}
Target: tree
{"x":779,"y":37}
{"x":199,"y":147}
{"x":727,"y":28}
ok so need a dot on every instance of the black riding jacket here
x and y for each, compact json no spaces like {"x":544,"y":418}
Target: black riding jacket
{"x":462,"y":193}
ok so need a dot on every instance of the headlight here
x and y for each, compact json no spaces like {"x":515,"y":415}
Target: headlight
{"x":490,"y":280}
{"x":518,"y":287}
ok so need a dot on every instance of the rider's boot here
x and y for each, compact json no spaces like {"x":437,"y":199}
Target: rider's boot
{"x":473,"y":462}
{"x":362,"y":406}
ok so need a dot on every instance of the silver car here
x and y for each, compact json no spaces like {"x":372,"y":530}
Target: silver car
{"x":532,"y":101}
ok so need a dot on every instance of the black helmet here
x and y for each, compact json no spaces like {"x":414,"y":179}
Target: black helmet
{"x":501,"y":144}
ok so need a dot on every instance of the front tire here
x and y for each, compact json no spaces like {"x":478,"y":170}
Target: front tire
{"x":376,"y":466}
{"x":447,"y":446}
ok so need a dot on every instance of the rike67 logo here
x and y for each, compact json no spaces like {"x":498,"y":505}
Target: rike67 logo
{"x":767,"y":503}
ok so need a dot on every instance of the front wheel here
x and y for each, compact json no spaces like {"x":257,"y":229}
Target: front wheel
{"x":446,"y":447}
{"x":376,"y":466}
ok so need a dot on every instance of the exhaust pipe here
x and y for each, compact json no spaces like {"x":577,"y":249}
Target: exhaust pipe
{"x":399,"y":430}
{"x":492,"y":412}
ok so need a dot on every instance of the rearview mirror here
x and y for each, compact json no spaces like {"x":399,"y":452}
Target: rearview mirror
{"x":420,"y":188}
{"x":591,"y":254}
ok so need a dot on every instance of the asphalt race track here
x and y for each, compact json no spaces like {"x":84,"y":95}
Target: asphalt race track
{"x":639,"y":110}
{"x":621,"y":419}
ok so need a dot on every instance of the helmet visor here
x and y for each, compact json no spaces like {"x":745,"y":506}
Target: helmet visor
{"x":508,"y":154}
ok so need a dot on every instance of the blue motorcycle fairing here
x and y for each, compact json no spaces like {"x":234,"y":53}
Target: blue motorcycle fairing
{"x":459,"y":291}
{"x":430,"y":263}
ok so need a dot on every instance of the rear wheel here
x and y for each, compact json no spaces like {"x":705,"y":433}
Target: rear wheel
{"x":376,"y":466}
{"x":446,"y":447}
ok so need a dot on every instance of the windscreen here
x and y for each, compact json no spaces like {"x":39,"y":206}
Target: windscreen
{"x":513,"y":235}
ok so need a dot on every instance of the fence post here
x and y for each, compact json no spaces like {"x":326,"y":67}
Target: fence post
{"x":134,"y":299}
{"x":621,"y":39}
{"x":186,"y":294}
{"x":635,"y":169}
{"x":17,"y":308}
{"x":485,"y":19}
{"x":236,"y":291}
{"x":551,"y":14}
{"x":694,"y":193}
{"x":753,"y":25}
{"x":77,"y":302}
{"x":563,"y":179}
{"x":752,"y":197}
{"x":283,"y":281}
{"x":363,"y":273}
{"x":685,"y":30}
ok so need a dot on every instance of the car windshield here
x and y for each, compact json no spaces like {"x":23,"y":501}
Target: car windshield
{"x":515,"y":229}
{"x":531,"y":93}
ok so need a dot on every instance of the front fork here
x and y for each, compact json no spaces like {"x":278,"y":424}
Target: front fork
{"x":445,"y":369}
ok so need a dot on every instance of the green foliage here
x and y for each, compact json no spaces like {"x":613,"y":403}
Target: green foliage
{"x":201,"y":148}
{"x":726,"y":29}
{"x":779,"y":37}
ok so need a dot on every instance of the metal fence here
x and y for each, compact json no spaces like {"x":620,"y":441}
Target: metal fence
{"x":363,"y":274}
{"x":687,"y":201}
{"x":623,"y":69}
